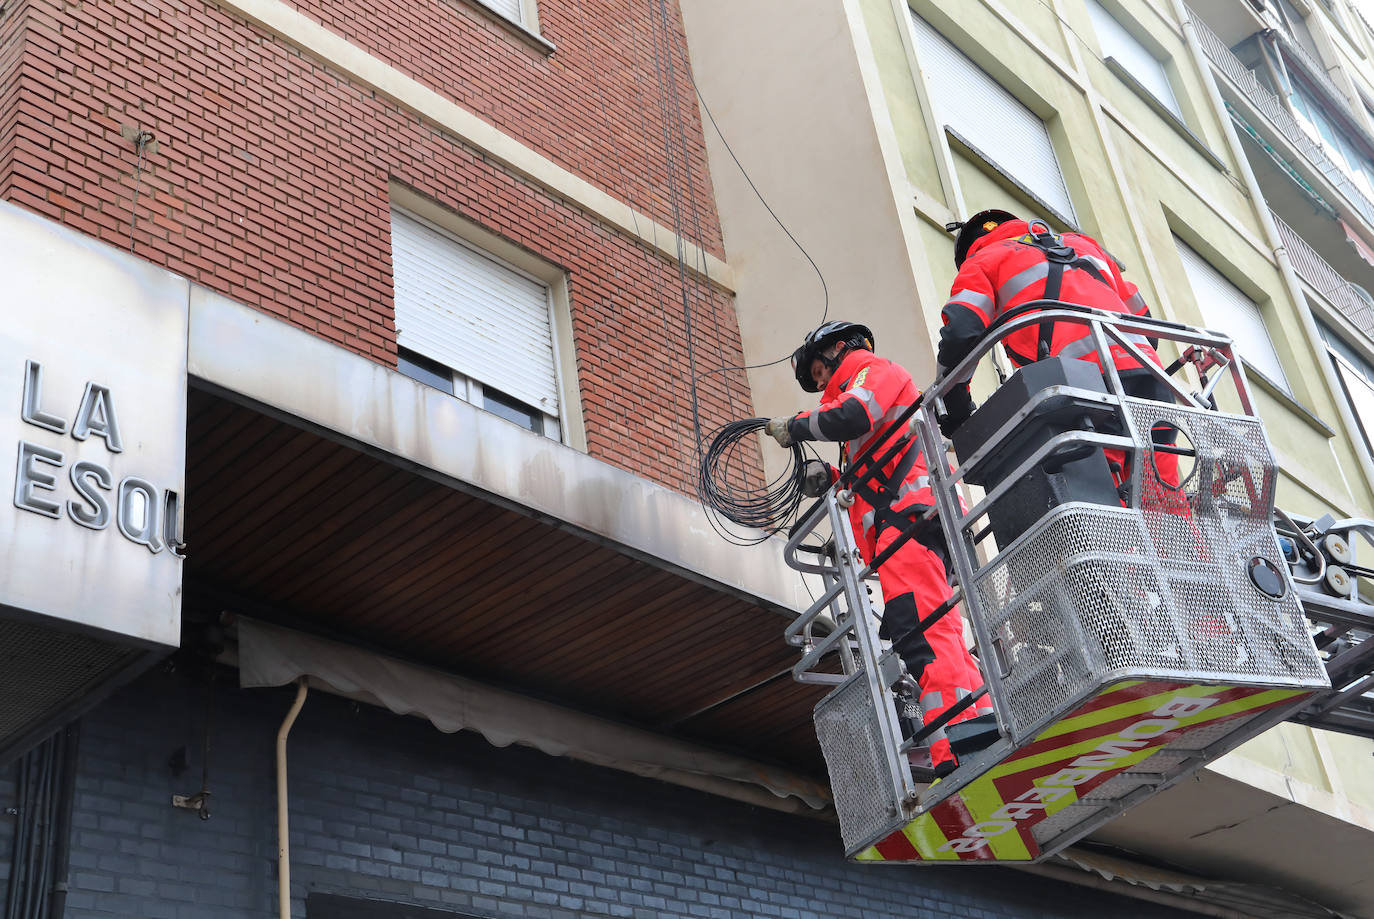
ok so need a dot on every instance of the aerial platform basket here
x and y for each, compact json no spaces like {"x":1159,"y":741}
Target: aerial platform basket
{"x":1125,"y":638}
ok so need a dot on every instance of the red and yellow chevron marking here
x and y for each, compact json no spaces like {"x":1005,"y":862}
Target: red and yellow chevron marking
{"x":992,"y":818}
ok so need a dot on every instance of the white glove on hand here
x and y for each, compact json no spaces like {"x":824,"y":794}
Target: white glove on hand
{"x":776,"y":428}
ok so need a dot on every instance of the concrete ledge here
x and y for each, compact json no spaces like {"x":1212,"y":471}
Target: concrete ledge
{"x":242,"y":351}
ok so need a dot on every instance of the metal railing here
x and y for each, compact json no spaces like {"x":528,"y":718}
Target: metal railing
{"x":1248,"y":83}
{"x":1353,"y":303}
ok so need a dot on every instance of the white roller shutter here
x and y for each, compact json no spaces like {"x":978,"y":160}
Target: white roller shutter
{"x":1131,"y":54}
{"x":1357,"y":376}
{"x":467,"y":311}
{"x":991,"y":119}
{"x":1225,"y":308}
{"x":511,"y":9}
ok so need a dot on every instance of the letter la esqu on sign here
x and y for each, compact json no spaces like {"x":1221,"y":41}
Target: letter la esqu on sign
{"x":140,"y":512}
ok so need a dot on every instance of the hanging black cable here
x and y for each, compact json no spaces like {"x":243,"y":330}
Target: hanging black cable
{"x":722,"y":488}
{"x":729,"y":463}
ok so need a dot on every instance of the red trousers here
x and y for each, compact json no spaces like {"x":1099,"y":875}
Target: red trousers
{"x":914,"y":583}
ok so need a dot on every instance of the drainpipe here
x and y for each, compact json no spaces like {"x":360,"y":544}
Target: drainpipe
{"x":1271,"y":233}
{"x":283,"y":838}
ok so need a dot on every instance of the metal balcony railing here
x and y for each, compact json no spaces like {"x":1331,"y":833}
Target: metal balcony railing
{"x":1353,"y":302}
{"x":1248,"y":83}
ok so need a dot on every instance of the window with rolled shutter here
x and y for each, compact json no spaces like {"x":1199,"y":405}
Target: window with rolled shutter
{"x":462,"y":309}
{"x":1225,"y":308}
{"x":1357,"y":377}
{"x":512,"y":9}
{"x":1123,"y":47}
{"x":990,"y":119}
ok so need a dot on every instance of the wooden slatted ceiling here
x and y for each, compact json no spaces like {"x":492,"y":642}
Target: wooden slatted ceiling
{"x":322,"y":534}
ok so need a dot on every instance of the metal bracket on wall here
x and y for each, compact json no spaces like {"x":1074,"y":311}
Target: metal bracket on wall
{"x":198,"y":802}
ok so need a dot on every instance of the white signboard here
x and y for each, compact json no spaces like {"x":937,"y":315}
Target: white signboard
{"x":92,"y":431}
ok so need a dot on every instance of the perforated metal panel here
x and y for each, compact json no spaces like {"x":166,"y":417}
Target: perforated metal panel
{"x":847,"y":729}
{"x":1056,"y":825}
{"x":1095,"y":593}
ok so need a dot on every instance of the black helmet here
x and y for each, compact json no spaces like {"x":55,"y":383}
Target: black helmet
{"x":974,"y":229}
{"x":828,"y":334}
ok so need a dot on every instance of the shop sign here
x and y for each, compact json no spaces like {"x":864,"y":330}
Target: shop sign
{"x":93,"y":422}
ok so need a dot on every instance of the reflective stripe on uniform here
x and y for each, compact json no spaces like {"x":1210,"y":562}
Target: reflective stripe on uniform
{"x":858,"y":444}
{"x":916,"y":484}
{"x":866,"y":521}
{"x":813,"y":424}
{"x":1100,"y":264}
{"x":1084,"y":346}
{"x":973,"y":298}
{"x":1136,"y":304}
{"x":1020,"y":281}
{"x":867,"y":397}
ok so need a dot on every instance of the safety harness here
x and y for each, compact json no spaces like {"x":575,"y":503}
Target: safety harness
{"x":880,"y":489}
{"x":1060,"y":256}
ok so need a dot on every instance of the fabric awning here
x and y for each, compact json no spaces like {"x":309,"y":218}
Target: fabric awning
{"x":1208,"y":895}
{"x":274,"y":656}
{"x":1361,"y":247}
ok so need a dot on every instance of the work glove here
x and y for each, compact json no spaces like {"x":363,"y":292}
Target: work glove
{"x":959,"y":405}
{"x":815,"y":478}
{"x":776,"y":428}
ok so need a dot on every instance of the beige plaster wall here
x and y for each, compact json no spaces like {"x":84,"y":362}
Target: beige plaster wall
{"x":806,"y":133}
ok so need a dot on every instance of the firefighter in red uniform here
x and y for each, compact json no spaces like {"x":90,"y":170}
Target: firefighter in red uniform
{"x":863,"y":395}
{"x":1005,"y":262}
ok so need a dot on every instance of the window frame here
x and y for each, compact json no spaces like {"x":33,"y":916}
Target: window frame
{"x":1173,"y":104}
{"x":1344,"y":368}
{"x":1283,"y":385}
{"x":567,"y":427}
{"x":471,"y":390}
{"x":987,"y":161}
{"x":526,"y":27}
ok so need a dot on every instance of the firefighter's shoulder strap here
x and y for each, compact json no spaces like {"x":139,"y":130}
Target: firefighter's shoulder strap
{"x":880,"y":489}
{"x":1060,"y":256}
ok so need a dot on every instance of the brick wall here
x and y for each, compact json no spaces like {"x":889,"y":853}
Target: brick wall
{"x":389,"y":808}
{"x":12,"y":46}
{"x":269,"y":183}
{"x":593,"y":107}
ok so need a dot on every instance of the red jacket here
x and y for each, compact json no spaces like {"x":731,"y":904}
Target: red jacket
{"x":1004,"y":270}
{"x":861,"y":402}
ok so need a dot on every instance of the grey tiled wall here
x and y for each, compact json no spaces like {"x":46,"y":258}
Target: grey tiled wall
{"x":389,"y":808}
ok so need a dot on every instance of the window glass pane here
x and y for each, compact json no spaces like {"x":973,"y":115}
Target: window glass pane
{"x":1328,"y":131}
{"x":990,"y":118}
{"x":1127,"y":50}
{"x":1225,"y":308}
{"x":498,"y":403}
{"x":426,"y":371}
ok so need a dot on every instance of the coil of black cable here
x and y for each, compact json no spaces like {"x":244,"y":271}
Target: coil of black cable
{"x":724,"y":490}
